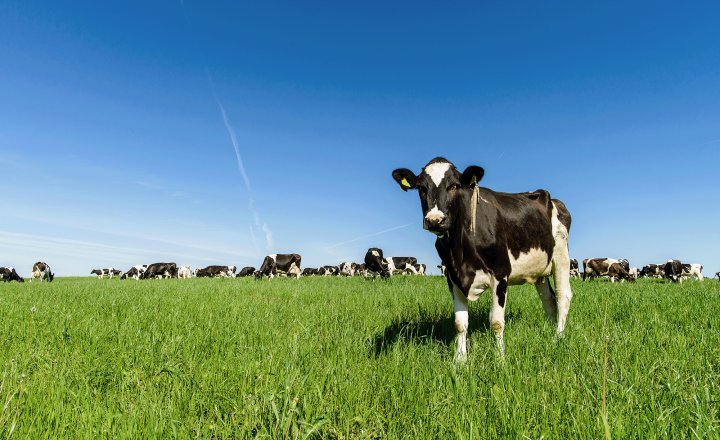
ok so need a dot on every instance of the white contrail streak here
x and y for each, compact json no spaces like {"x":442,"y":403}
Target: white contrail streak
{"x":255,"y":242}
{"x":234,"y":141}
{"x":366,"y":236}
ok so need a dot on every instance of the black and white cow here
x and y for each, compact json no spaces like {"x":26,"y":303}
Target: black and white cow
{"x":419,"y":269}
{"x":375,"y":264}
{"x":442,"y":269}
{"x":216,"y":272}
{"x":9,"y":274}
{"x":624,"y":263}
{"x":360,"y":270}
{"x":274,"y":264}
{"x":101,"y":273}
{"x":693,"y":270}
{"x":135,"y":272}
{"x":246,"y":271}
{"x":328,"y":271}
{"x":673,"y":271}
{"x":610,"y":267}
{"x":492,"y":240}
{"x":184,"y":272}
{"x":634,"y":272}
{"x":160,"y":270}
{"x":42,"y":271}
{"x":401,"y":265}
{"x":652,"y":271}
{"x":574,"y":268}
{"x":309,"y":272}
{"x":717,"y":274}
{"x":347,"y":269}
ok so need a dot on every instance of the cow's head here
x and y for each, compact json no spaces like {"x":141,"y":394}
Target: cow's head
{"x":439,"y":186}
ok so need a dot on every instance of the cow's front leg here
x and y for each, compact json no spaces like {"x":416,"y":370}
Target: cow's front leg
{"x":497,"y":313}
{"x":460,"y":304}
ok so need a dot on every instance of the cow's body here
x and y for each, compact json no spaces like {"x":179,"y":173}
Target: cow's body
{"x":184,"y":272}
{"x":601,"y":267}
{"x":328,"y":271}
{"x":490,"y":240}
{"x":401,"y":265}
{"x":375,"y":264}
{"x":160,"y":270}
{"x":693,"y":270}
{"x":246,"y":271}
{"x":9,"y":274}
{"x":42,"y":271}
{"x":360,"y":270}
{"x":574,"y":268}
{"x":673,"y":271}
{"x":135,"y":272}
{"x":347,"y":269}
{"x":309,"y":272}
{"x":634,"y":272}
{"x":419,"y":269}
{"x":288,"y":264}
{"x":652,"y":271}
{"x":216,"y":272}
{"x":624,"y":263}
{"x":102,"y":273}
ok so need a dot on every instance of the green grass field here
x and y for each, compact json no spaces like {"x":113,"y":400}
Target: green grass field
{"x":349,"y":358}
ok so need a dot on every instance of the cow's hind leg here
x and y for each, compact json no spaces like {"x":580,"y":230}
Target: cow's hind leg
{"x":497,"y":313}
{"x":547,"y":296}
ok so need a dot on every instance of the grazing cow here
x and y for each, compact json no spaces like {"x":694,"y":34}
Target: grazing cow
{"x":246,"y":271}
{"x":160,"y":270}
{"x":360,"y":270}
{"x":375,"y":264}
{"x":693,"y":270}
{"x":419,"y":269}
{"x":216,"y":272}
{"x":280,"y":264}
{"x":101,"y":273}
{"x":401,"y":265}
{"x":184,"y":272}
{"x":600,"y":267}
{"x":347,"y":269}
{"x":634,"y":272}
{"x":442,"y":269}
{"x":42,"y":271}
{"x":673,"y":271}
{"x":574,"y":268}
{"x":652,"y":271}
{"x":135,"y":272}
{"x":491,"y":240}
{"x":328,"y":270}
{"x":309,"y":272}
{"x":9,"y":274}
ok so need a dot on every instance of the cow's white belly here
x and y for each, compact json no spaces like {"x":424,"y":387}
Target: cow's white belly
{"x":529,"y":267}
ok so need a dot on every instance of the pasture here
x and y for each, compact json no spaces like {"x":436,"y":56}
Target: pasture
{"x":350,"y":358}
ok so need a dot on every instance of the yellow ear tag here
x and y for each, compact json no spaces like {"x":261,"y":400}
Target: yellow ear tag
{"x":405,"y":183}
{"x":474,"y":180}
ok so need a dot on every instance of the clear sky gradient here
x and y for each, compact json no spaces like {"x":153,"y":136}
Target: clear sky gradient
{"x":126,"y":127}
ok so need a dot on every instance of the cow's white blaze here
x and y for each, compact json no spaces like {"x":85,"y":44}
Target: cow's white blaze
{"x":437,"y":171}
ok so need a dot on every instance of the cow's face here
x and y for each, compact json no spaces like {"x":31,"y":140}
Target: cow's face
{"x":440,"y":186}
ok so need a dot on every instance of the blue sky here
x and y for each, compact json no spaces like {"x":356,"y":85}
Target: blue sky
{"x":114,"y":149}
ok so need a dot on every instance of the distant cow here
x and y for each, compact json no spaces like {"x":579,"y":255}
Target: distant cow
{"x":574,"y":268}
{"x":717,"y":274}
{"x":309,"y":272}
{"x":634,"y":272}
{"x":42,"y":271}
{"x":135,"y":272}
{"x":375,"y":264}
{"x":160,"y":270}
{"x":652,"y":271}
{"x":600,"y":267}
{"x":401,"y":265}
{"x":673,"y":271}
{"x":246,"y":271}
{"x":442,"y":269}
{"x":328,"y":271}
{"x":101,"y":273}
{"x":624,"y":263}
{"x":420,"y":269}
{"x":9,"y":274}
{"x":693,"y":270}
{"x":216,"y":272}
{"x":280,"y":264}
{"x":347,"y":269}
{"x":184,"y":272}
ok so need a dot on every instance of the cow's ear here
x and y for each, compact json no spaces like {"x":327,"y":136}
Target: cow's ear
{"x":472,"y":175}
{"x":406,"y":178}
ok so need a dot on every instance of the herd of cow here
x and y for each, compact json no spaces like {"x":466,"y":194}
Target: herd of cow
{"x":673,"y":270}
{"x":274,"y":265}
